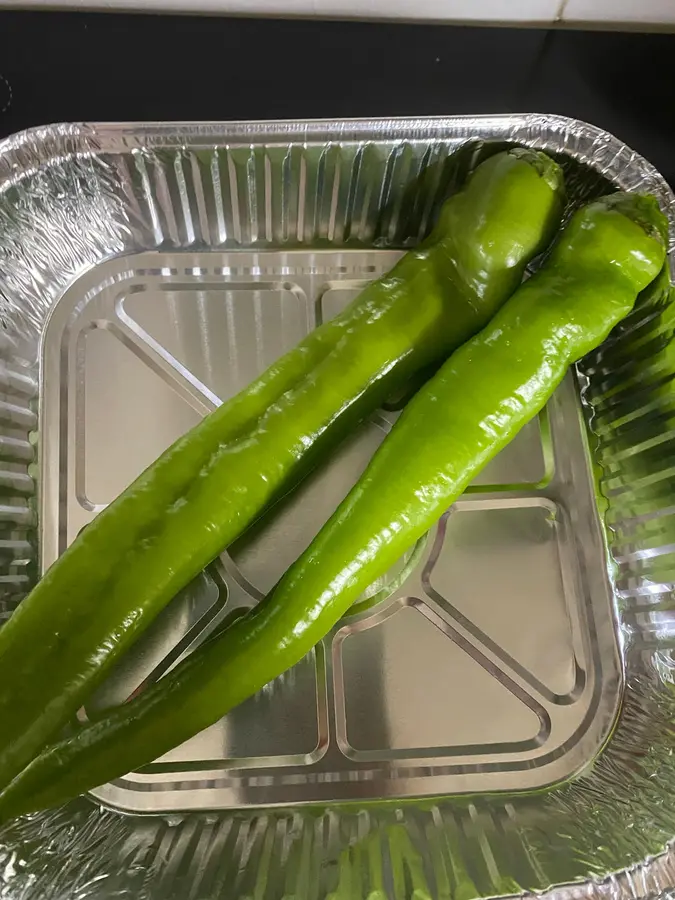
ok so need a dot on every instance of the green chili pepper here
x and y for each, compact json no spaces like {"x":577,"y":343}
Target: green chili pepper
{"x":208,"y":488}
{"x":454,"y":425}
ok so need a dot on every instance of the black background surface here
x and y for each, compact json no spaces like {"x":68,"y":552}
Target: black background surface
{"x":59,"y":66}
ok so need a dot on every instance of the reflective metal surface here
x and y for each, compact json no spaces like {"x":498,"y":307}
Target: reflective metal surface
{"x":494,"y":664}
{"x":148,"y":273}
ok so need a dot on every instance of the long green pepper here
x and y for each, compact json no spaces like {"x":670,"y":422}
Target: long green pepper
{"x":477,"y":402}
{"x":209,"y":486}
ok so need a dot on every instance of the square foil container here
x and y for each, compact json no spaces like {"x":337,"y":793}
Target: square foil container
{"x":495,"y":716}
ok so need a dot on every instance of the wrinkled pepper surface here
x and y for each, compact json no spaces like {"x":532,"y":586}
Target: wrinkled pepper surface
{"x":210,"y":485}
{"x":455,"y":424}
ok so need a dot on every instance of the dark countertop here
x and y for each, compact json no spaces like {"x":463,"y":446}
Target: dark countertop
{"x":63,"y":66}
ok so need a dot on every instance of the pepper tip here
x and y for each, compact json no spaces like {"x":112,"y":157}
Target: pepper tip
{"x":546,"y":168}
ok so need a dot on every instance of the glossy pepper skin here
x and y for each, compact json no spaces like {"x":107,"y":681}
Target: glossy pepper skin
{"x":455,"y":424}
{"x":209,"y":486}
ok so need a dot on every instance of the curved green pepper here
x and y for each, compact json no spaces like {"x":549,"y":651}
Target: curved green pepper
{"x":208,"y":488}
{"x":455,"y":424}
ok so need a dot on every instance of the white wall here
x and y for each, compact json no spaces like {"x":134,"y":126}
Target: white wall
{"x":613,"y":13}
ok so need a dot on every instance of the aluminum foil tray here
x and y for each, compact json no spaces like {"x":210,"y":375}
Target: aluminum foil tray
{"x":493,"y":717}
